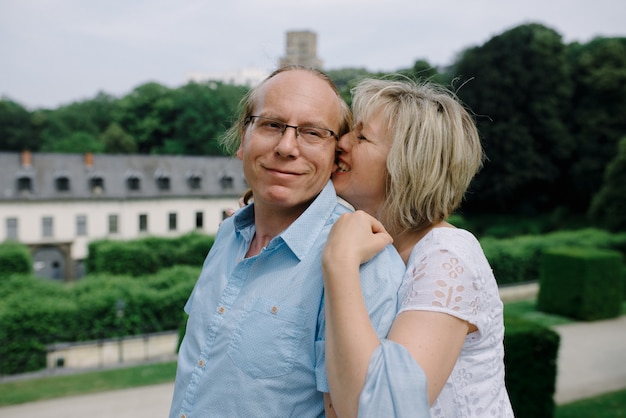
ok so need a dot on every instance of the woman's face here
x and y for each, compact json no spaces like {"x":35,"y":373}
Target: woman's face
{"x":362,"y":165}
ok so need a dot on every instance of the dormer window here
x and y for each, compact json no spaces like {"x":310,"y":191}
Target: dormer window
{"x":226,"y":182}
{"x":62,"y":183}
{"x":24,"y":184}
{"x":163,"y":183}
{"x":162,"y":180}
{"x":96,"y":184}
{"x":133,"y":181}
{"x":194,"y":180}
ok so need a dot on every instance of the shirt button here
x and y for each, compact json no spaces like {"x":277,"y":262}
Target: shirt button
{"x":200,"y":363}
{"x":183,"y":415}
{"x":221,"y":309}
{"x":274,"y":309}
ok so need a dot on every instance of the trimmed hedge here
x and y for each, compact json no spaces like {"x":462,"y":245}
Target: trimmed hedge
{"x":147,"y":255}
{"x":36,"y":312}
{"x":530,"y":363}
{"x":518,"y":260}
{"x":584,"y":284}
{"x":15,"y":258}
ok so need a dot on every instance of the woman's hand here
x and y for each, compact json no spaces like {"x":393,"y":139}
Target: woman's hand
{"x":355,"y":238}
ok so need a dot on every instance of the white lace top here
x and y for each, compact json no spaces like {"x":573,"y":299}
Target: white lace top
{"x":448,"y":272}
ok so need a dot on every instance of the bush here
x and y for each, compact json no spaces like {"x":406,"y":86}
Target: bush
{"x":147,"y":255}
{"x":580,"y":283}
{"x":517,"y":260}
{"x":132,"y":258}
{"x":37,"y":312}
{"x":530,"y":363}
{"x":15,"y":258}
{"x":29,"y":321}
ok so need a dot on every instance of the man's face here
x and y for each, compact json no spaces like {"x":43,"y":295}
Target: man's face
{"x":287,"y":172}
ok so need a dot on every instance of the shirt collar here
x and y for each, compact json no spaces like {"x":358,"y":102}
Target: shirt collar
{"x":304,"y":231}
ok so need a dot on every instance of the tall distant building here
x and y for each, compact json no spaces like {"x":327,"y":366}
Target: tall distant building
{"x":301,"y":49}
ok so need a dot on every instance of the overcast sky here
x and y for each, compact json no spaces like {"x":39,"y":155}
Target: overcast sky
{"x":54,"y":52}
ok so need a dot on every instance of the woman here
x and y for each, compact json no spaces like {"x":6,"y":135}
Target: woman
{"x":408,"y":163}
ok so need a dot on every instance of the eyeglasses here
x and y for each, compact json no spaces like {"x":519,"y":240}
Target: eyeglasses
{"x":272,"y":128}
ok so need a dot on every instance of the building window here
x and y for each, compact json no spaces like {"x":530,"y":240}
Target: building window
{"x":96,"y":184}
{"x":163,"y":183}
{"x":47,"y":226}
{"x":143,"y":222}
{"x":113,"y":224}
{"x":81,"y":225}
{"x":226,"y":182}
{"x":194,"y":181}
{"x":199,"y":220}
{"x":11,"y":228}
{"x":62,"y":184}
{"x":172,"y":221}
{"x":24,"y":184}
{"x":133,"y":183}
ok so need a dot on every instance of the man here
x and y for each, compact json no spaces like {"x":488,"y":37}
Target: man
{"x":254,"y":344}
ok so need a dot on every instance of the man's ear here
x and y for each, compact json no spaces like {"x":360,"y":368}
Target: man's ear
{"x":240,"y":150}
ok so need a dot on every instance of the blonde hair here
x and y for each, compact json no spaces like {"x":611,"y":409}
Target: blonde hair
{"x":231,"y":140}
{"x":435,"y":149}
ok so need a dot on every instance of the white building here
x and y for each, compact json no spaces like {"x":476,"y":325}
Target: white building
{"x":58,"y":203}
{"x":242,"y":77}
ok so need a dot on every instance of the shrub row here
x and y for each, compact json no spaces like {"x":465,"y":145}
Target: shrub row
{"x":36,"y":312}
{"x":530,"y":363}
{"x":147,"y":255}
{"x":584,"y":284}
{"x":518,"y":260}
{"x":14,"y":258}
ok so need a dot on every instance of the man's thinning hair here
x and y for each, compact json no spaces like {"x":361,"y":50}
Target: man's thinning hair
{"x":231,"y":140}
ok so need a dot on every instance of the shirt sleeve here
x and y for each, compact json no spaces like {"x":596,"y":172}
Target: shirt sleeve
{"x":380,"y":279}
{"x":395,"y":385}
{"x":320,"y":352}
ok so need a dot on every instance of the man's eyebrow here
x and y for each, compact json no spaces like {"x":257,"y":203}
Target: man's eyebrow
{"x":308,"y":122}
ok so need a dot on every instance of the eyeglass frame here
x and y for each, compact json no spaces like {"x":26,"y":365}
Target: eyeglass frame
{"x":251,"y":118}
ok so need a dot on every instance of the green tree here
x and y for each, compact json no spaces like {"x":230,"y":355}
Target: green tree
{"x":75,"y":142}
{"x":345,"y":79}
{"x":16,"y":129}
{"x":60,"y":128}
{"x":204,"y":112}
{"x":517,"y":84}
{"x":598,"y":118}
{"x":424,"y":71}
{"x":116,"y":141}
{"x":608,"y":208}
{"x":148,"y":115}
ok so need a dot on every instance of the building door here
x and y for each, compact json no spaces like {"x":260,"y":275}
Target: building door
{"x":50,"y":263}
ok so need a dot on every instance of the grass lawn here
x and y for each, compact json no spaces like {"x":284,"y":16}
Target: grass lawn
{"x":610,"y":405}
{"x":37,"y":389}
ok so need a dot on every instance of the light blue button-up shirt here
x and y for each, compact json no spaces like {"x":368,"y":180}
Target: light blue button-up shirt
{"x":254,"y":345}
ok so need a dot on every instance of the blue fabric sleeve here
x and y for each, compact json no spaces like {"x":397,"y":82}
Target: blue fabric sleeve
{"x":395,"y":385}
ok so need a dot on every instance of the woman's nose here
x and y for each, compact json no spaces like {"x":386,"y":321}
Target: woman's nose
{"x":346,"y":141}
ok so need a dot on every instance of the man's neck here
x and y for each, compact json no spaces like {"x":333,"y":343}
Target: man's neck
{"x":269,"y":222}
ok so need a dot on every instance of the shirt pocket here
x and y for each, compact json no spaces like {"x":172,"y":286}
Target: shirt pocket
{"x":266,"y":339}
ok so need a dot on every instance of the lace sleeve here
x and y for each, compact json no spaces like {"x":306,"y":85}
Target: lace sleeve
{"x":446,"y":274}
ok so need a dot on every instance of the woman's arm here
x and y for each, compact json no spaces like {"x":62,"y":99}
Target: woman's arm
{"x":350,"y":337}
{"x":434,"y":340}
